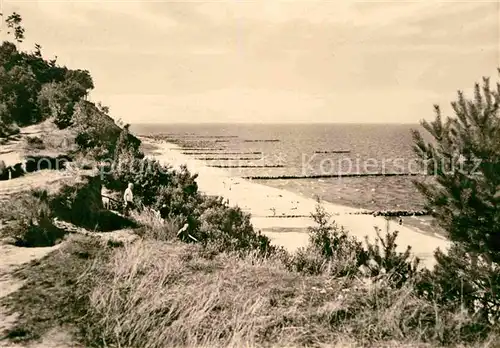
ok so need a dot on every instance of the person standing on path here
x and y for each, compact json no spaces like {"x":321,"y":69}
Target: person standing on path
{"x":128,"y":198}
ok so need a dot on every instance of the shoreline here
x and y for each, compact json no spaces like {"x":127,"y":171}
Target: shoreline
{"x":262,"y":202}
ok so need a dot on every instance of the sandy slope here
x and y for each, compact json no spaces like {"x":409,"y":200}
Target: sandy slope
{"x":44,"y":179}
{"x":267,"y":204}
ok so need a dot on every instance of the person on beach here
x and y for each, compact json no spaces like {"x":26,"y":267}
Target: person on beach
{"x":128,"y":198}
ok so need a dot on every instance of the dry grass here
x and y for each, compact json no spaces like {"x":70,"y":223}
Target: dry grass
{"x":154,"y":227}
{"x":166,"y":295}
{"x":163,"y":294}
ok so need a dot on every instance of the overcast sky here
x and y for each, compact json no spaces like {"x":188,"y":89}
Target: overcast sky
{"x":269,"y":60}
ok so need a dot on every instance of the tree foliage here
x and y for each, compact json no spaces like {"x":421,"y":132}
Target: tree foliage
{"x":463,"y":160}
{"x":14,"y":25}
{"x":33,"y":89}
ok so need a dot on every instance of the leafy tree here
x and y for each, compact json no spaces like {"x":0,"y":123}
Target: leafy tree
{"x":9,"y":56}
{"x":80,"y":77}
{"x":58,"y":99}
{"x":32,"y":88}
{"x":45,"y":71}
{"x":463,"y":159}
{"x":73,"y":92}
{"x":18,"y":91}
{"x":55,"y":101}
{"x":14,"y":26}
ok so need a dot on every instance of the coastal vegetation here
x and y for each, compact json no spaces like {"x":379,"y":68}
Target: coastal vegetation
{"x":34,"y":89}
{"x":221,"y":283}
{"x":464,"y":195}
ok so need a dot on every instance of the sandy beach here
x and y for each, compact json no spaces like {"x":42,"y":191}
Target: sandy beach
{"x":271,"y":207}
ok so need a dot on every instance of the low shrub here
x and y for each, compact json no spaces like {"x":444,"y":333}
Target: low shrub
{"x":30,"y":221}
{"x":333,"y":251}
{"x":12,"y":172}
{"x":227,"y":228}
{"x":148,"y":177}
{"x":174,"y":194}
{"x":180,"y":198}
{"x":382,"y":257}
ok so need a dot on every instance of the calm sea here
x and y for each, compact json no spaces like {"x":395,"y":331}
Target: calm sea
{"x":304,"y":150}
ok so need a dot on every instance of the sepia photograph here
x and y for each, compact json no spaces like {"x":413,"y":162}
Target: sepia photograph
{"x":249,"y":173}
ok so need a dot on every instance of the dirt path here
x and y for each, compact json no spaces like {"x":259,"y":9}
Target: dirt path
{"x":11,"y":258}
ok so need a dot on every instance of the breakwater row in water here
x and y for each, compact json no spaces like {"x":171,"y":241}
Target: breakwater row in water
{"x":363,"y":167}
{"x":395,"y":213}
{"x":217,"y":136}
{"x":202,"y":148}
{"x":261,"y":140}
{"x":222,"y":153}
{"x":186,"y":135}
{"x":324,"y":176}
{"x":333,"y":151}
{"x":246,"y":166}
{"x":386,"y":213}
{"x":228,"y":158}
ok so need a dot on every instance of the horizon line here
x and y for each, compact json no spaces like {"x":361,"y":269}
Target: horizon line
{"x":277,"y":123}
